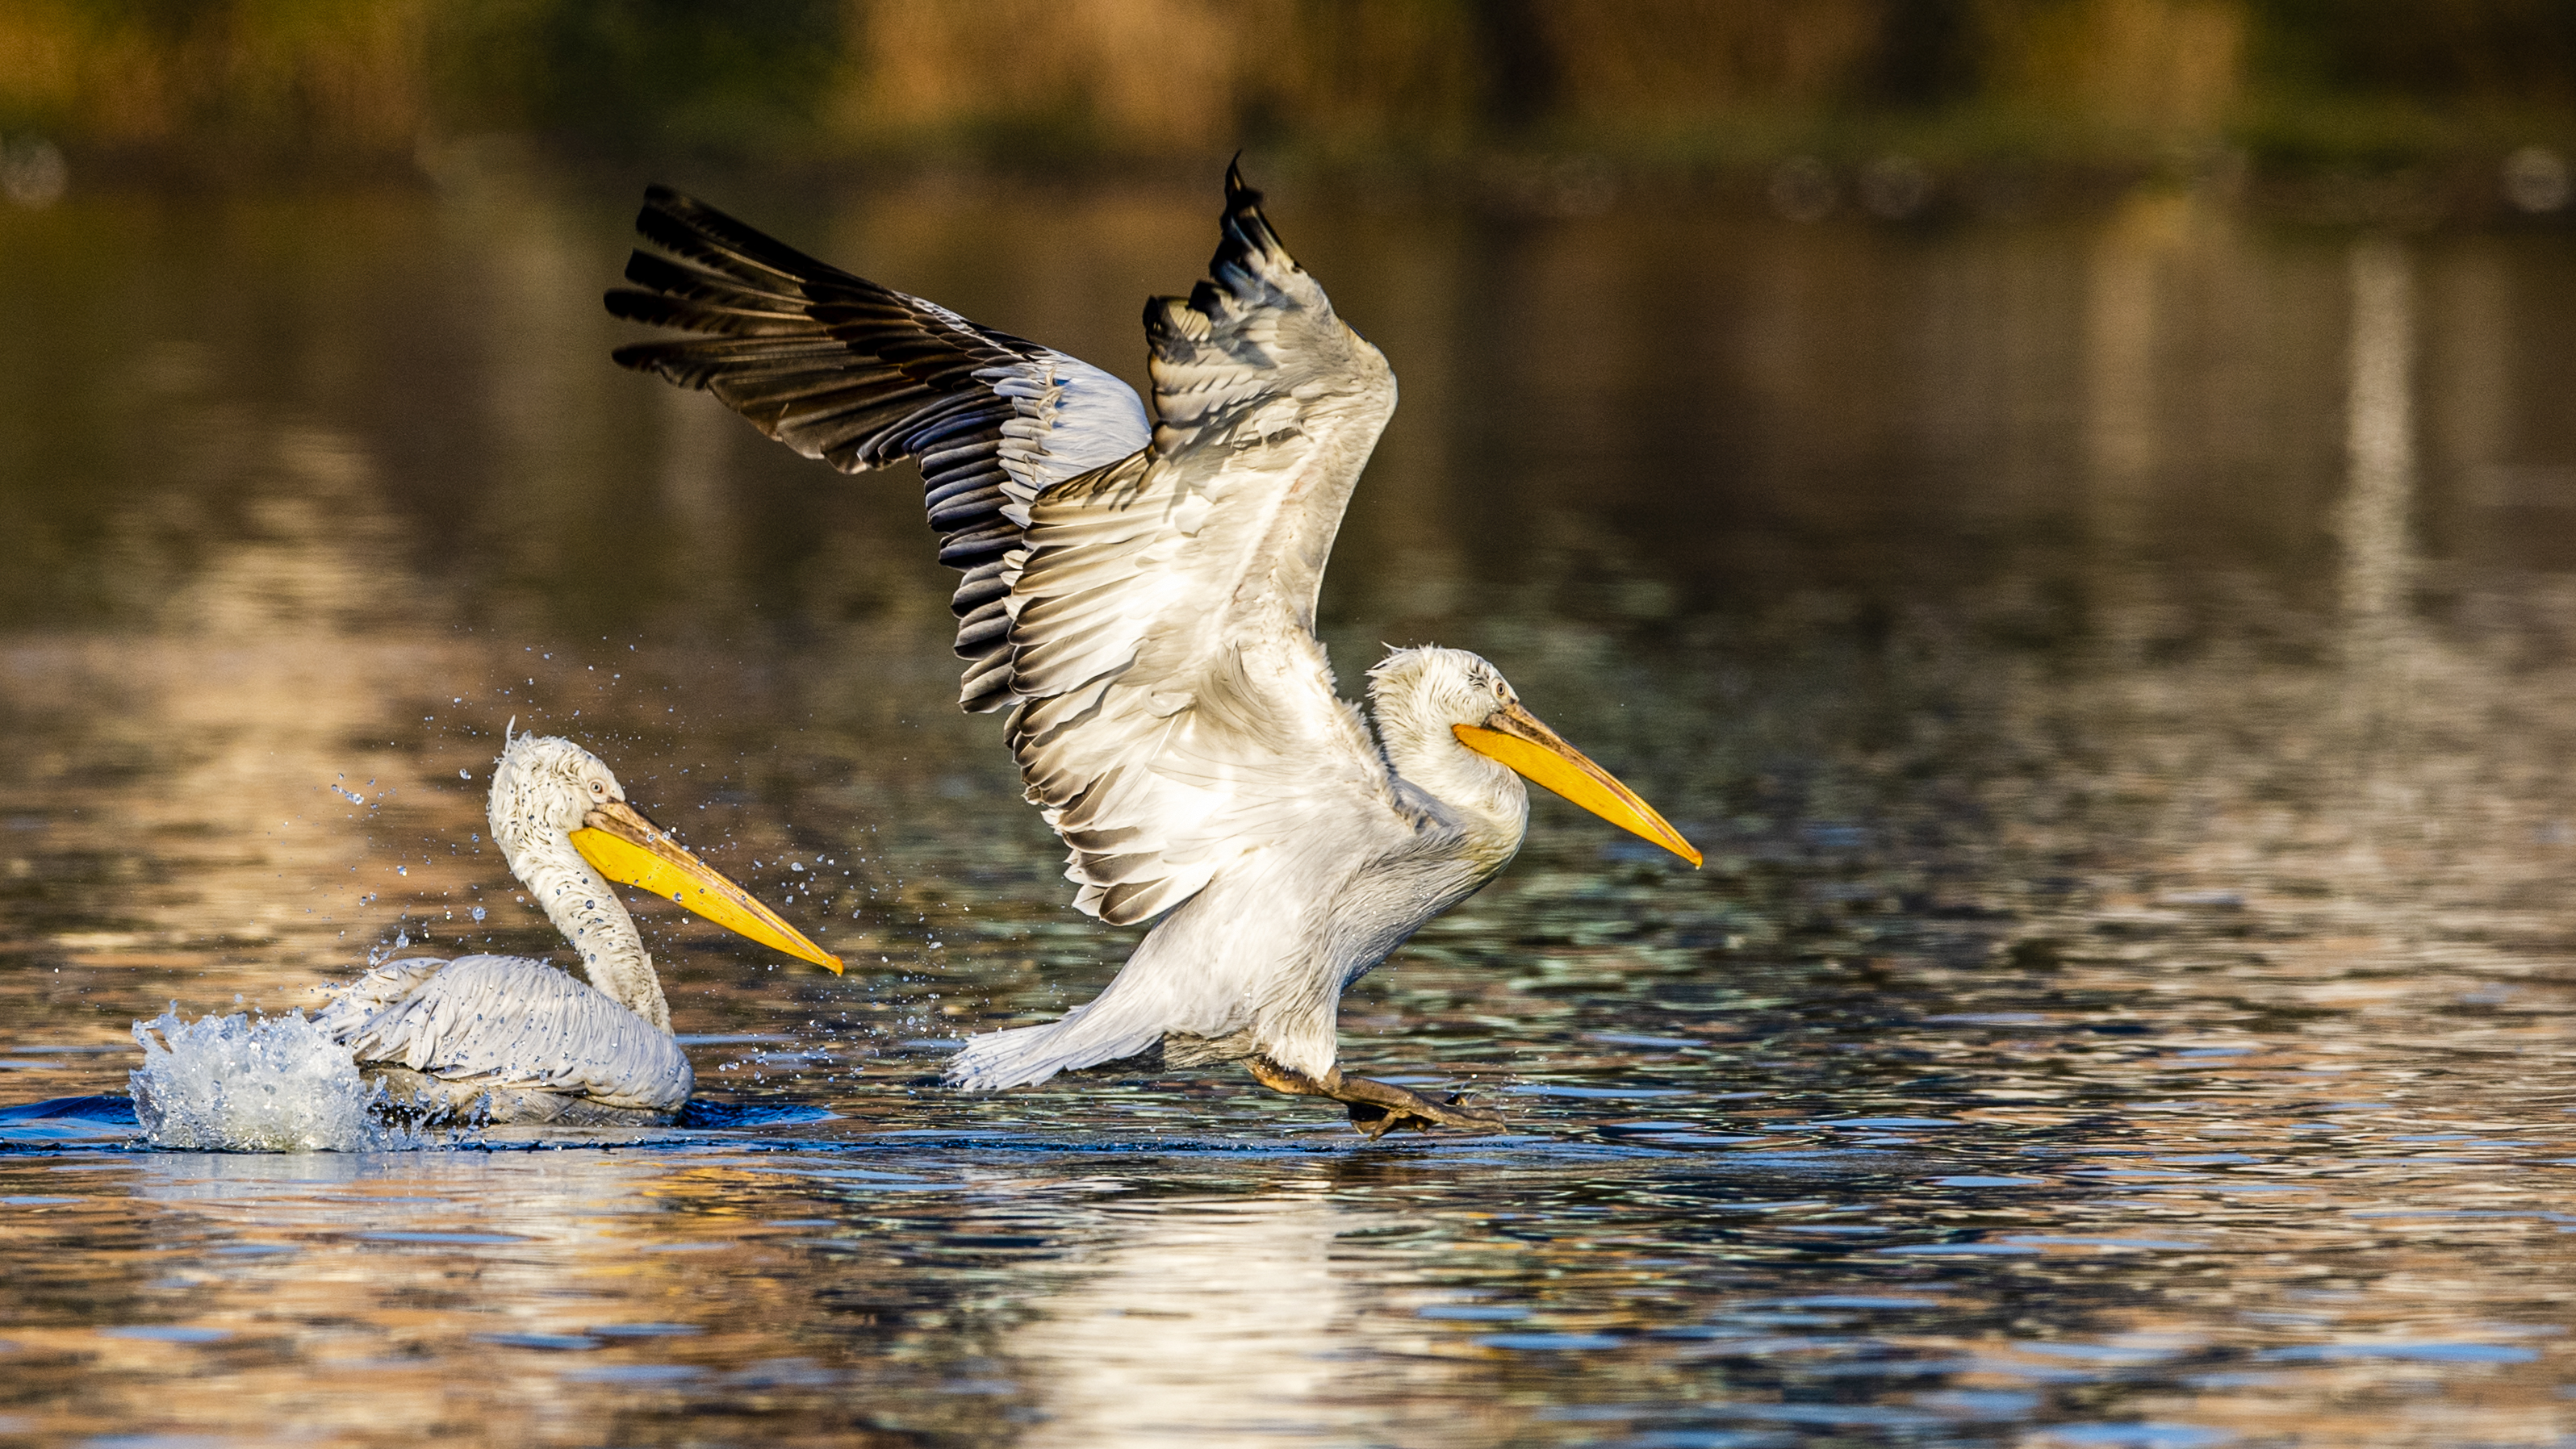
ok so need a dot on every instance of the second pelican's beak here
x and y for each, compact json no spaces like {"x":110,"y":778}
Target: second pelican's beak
{"x":632,"y":850}
{"x":1514,"y":738}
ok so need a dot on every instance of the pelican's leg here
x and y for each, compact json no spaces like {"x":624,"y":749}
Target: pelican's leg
{"x":1377,"y":1108}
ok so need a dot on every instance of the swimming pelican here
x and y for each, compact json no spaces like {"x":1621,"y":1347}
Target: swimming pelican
{"x":1139,"y":595}
{"x":511,"y":1039}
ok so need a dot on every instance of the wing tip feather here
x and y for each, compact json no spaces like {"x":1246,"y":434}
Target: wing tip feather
{"x":1246,"y":226}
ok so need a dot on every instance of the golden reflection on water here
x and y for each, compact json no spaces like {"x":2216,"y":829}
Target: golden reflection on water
{"x":1209,"y":1323}
{"x":2122,"y":675}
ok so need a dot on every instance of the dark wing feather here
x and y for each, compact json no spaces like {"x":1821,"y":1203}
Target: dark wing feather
{"x":862,"y":376}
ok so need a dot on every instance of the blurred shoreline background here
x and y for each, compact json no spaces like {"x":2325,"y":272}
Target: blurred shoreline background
{"x":2403,"y":113}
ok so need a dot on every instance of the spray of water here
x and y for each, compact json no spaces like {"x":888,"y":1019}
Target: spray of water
{"x":246,"y":1083}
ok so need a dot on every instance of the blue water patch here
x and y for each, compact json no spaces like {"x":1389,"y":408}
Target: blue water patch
{"x":459,"y":1239}
{"x":1962,"y":1250}
{"x":167,"y":1333}
{"x":1972,"y":1181}
{"x":1852,"y":1300}
{"x":1473,"y":1312}
{"x":634,"y":1373}
{"x":1875,"y":1416}
{"x":1709,"y":1139}
{"x":2140,"y":1435}
{"x":61,"y":1119}
{"x":544,"y":1342}
{"x":2407,"y":1352}
{"x":1550,"y":1089}
{"x":1700,"y":1439}
{"x":1548,"y":1342}
{"x":705,"y":1116}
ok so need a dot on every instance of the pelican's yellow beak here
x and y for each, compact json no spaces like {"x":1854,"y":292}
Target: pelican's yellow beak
{"x":632,"y":850}
{"x":1514,"y":738}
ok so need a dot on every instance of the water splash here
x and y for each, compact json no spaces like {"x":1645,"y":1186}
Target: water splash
{"x":245,"y":1083}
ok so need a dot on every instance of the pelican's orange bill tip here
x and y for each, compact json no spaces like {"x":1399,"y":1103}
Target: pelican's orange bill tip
{"x":1536,"y":752}
{"x":629,"y":849}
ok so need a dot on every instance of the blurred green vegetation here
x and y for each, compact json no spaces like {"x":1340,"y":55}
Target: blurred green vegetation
{"x":249,"y":86}
{"x":724,"y":78}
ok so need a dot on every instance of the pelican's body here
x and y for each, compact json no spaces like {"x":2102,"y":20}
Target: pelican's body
{"x":1336,"y":860}
{"x":511,"y":1039}
{"x":508,"y":1039}
{"x":1140,"y":596}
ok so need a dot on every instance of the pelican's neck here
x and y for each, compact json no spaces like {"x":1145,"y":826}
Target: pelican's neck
{"x":1490,"y":801}
{"x":585,"y":908}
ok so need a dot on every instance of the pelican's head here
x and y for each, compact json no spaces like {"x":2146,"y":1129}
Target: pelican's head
{"x":1446,"y":714}
{"x":545,"y":784}
{"x":549,"y":793}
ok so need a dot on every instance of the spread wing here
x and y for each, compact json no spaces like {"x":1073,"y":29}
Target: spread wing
{"x":862,"y":376}
{"x":1177,"y":711}
{"x":1145,"y":600}
{"x":505,"y":1021}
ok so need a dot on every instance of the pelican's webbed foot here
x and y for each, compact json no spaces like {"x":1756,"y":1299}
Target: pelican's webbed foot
{"x":1377,"y":1108}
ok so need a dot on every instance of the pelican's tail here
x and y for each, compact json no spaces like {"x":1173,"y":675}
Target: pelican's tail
{"x":1025,"y":1055}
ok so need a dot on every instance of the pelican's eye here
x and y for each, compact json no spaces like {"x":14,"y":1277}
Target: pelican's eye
{"x":599,"y":788}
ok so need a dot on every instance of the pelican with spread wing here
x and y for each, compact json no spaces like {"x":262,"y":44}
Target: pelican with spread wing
{"x":511,"y":1039}
{"x":1139,"y":599}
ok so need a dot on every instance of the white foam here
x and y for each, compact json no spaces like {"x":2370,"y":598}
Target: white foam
{"x":246,"y":1083}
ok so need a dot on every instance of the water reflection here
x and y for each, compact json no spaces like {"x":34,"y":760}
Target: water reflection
{"x":1209,"y":1322}
{"x":2121,"y":675}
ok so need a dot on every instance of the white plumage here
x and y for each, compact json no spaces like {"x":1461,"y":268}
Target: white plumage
{"x":510,"y":1039}
{"x":1142,"y":600}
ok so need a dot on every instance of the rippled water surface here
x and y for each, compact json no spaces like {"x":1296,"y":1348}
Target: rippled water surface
{"x":2123,"y":674}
